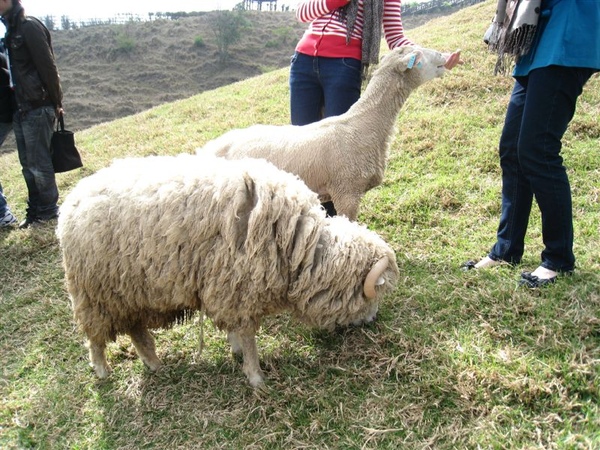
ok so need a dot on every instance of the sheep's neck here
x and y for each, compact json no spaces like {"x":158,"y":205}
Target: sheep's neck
{"x":382,"y":100}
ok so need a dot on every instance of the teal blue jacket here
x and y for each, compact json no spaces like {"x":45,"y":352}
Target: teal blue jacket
{"x":568,"y":35}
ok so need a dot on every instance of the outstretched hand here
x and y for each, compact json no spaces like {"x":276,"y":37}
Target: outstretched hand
{"x":452,"y":59}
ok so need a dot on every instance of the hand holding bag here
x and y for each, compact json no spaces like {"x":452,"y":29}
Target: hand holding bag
{"x":65,"y":156}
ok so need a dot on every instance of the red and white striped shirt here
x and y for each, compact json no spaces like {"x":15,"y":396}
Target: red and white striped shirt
{"x":326,"y":35}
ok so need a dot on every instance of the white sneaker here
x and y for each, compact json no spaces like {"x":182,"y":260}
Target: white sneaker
{"x":8,"y":220}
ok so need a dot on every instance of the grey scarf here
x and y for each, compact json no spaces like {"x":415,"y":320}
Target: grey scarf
{"x":512,"y":31}
{"x":371,"y":36}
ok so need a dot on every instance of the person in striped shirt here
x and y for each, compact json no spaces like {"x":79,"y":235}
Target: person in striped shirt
{"x":333,"y":56}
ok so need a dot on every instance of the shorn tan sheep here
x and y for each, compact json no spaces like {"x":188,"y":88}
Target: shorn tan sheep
{"x":340,"y":158}
{"x":148,"y":242}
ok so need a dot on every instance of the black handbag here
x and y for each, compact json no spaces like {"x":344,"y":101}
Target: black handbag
{"x":65,"y":156}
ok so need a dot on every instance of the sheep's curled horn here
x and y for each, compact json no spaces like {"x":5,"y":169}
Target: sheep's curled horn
{"x":373,"y":276}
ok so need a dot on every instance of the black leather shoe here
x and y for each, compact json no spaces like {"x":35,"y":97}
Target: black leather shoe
{"x":534,"y":282}
{"x":26,"y":223}
{"x":29,"y":222}
{"x":470,"y":264}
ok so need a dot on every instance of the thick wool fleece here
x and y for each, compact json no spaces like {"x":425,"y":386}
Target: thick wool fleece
{"x":148,"y":241}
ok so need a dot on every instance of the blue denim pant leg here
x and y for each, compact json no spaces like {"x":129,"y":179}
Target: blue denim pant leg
{"x":552,"y":93}
{"x":549,"y":96}
{"x":33,"y":132}
{"x":3,"y":204}
{"x":517,"y":196}
{"x":322,"y":87}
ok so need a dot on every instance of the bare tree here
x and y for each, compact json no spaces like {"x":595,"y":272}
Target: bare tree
{"x":65,"y":23}
{"x":49,"y":22}
{"x":228,"y":27}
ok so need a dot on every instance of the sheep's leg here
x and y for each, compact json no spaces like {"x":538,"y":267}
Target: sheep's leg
{"x":234,"y":341}
{"x":98,"y":360}
{"x":251,"y":367}
{"x":145,"y":347}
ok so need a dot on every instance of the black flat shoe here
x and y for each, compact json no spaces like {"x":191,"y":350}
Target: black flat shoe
{"x":33,"y":223}
{"x":26,"y":223}
{"x":534,"y":282}
{"x":470,"y":264}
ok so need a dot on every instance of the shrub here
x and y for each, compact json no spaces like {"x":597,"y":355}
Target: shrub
{"x":199,"y":42}
{"x":285,"y":35}
{"x":125,"y":43}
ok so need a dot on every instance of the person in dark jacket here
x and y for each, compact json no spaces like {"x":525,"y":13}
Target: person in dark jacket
{"x":38,"y":95}
{"x":7,"y":219}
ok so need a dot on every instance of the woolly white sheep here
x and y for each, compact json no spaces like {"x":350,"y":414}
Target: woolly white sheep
{"x":340,"y":158}
{"x":147,"y":242}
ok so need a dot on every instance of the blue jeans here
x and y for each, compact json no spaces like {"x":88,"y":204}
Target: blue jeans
{"x":3,"y":204}
{"x":322,"y":87}
{"x":5,"y":128}
{"x":541,"y":106}
{"x":33,"y":132}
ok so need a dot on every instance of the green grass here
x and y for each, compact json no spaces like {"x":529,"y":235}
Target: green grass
{"x":455,"y":360}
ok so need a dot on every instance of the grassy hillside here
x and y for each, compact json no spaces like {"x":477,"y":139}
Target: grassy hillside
{"x":112,"y":71}
{"x":455,"y":360}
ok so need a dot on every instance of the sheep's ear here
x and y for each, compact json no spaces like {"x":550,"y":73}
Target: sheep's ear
{"x":413,"y":59}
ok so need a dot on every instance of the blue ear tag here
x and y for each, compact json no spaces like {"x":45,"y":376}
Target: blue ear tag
{"x":411,"y":61}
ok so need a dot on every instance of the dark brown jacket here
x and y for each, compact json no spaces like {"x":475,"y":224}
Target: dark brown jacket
{"x":6,"y":94}
{"x":35,"y":76}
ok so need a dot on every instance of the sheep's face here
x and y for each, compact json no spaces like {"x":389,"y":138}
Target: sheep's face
{"x":431,"y":64}
{"x":426,"y":63}
{"x":348,"y":295}
{"x":329,"y":309}
{"x":368,"y":314}
{"x":362,"y":299}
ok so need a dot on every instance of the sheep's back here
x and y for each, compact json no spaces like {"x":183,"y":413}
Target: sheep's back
{"x":300,"y":150}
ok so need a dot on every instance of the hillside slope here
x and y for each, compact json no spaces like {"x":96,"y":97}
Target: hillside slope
{"x":102,"y":80}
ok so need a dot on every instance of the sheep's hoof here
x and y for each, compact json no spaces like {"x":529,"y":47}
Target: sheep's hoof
{"x":256,"y":380}
{"x":102,"y":371}
{"x":153,"y":366}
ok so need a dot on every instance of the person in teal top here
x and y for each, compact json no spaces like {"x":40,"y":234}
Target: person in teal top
{"x":568,"y":36}
{"x":553,"y":63}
